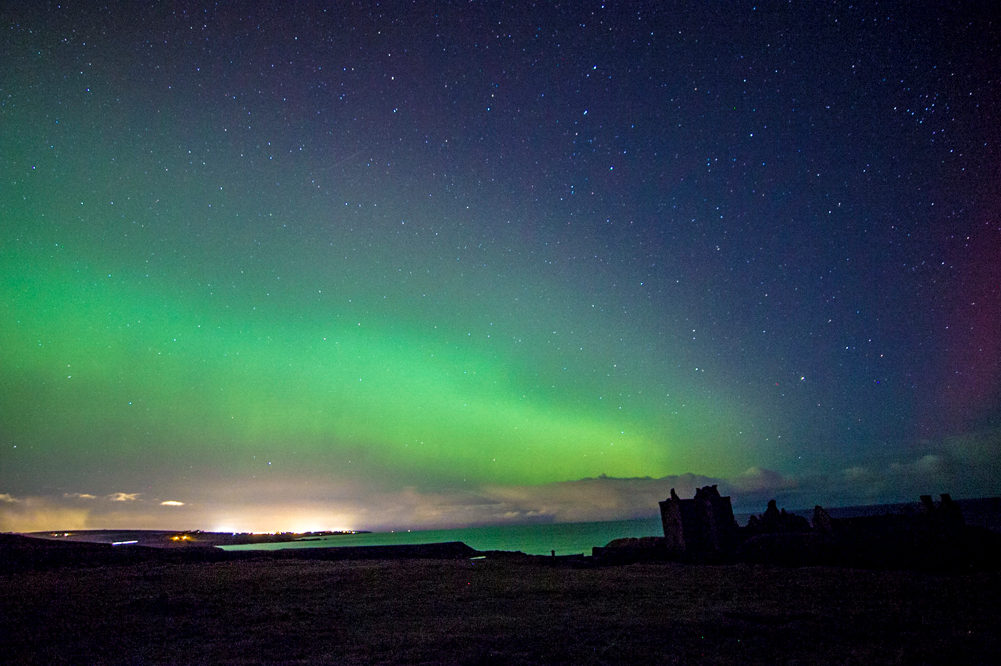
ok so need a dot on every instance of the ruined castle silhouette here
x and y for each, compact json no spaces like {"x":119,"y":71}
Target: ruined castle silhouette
{"x":704,"y":524}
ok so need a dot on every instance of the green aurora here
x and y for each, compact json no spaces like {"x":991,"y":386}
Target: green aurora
{"x":153,"y":375}
{"x":379,"y":266}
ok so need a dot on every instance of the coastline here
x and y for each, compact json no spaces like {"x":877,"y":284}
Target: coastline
{"x":181,"y":538}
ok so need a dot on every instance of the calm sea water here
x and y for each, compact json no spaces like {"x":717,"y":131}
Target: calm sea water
{"x":564,"y":538}
{"x":578,"y":538}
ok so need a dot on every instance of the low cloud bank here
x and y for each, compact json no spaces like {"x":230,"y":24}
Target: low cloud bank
{"x":124,"y":497}
{"x":592,"y":499}
{"x":965,"y":467}
{"x":31,"y":514}
{"x":84,"y":511}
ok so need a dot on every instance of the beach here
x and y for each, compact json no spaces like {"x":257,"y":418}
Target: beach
{"x":497,"y":610}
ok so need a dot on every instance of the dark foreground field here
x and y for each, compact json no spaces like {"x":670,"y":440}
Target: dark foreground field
{"x":495,"y":611}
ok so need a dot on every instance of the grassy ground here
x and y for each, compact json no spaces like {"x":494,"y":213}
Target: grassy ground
{"x":494,"y":612}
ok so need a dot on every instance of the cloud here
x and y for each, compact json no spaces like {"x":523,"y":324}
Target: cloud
{"x":756,"y":480}
{"x":583,"y":500}
{"x":59,"y":513}
{"x":858,"y":473}
{"x":929,"y":465}
{"x":316,"y":503}
{"x":79,"y":496}
{"x":34,"y":514}
{"x":601,"y":498}
{"x":964,"y":467}
{"x":124,"y":497}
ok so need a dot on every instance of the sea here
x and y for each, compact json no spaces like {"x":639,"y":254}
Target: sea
{"x":580,"y":538}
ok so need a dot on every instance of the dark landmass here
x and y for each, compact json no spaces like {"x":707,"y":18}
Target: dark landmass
{"x":977,"y":512}
{"x":81,"y":603}
{"x":19,"y":553}
{"x":182,"y":539}
{"x":933,"y":537}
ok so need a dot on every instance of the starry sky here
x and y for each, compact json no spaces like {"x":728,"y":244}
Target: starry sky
{"x":376,"y":265}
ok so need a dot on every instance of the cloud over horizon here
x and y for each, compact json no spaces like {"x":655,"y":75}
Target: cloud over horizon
{"x":124,"y":497}
{"x":945,"y":466}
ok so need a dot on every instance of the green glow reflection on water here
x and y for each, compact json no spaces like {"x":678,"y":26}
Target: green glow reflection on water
{"x":564,"y":538}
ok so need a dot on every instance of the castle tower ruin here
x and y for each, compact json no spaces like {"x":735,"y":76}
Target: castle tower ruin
{"x":703,"y":524}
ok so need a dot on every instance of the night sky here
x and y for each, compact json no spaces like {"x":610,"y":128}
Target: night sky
{"x":383,"y":265}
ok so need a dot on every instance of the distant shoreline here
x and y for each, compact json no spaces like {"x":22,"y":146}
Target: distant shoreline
{"x":181,"y":538}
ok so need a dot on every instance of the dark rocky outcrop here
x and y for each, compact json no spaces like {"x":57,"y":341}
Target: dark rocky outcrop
{"x":702,"y":530}
{"x":632,"y":549}
{"x":933,"y":539}
{"x":773,"y":521}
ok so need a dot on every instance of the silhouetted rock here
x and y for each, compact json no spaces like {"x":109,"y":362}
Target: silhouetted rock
{"x":948,"y":514}
{"x":773,"y":521}
{"x":821,"y":521}
{"x":934,"y":539}
{"x":631,"y":549}
{"x":771,"y":517}
{"x":788,"y":549}
{"x":637,"y":542}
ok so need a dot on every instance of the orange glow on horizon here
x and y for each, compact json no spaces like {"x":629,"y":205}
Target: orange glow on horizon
{"x":255,"y":520}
